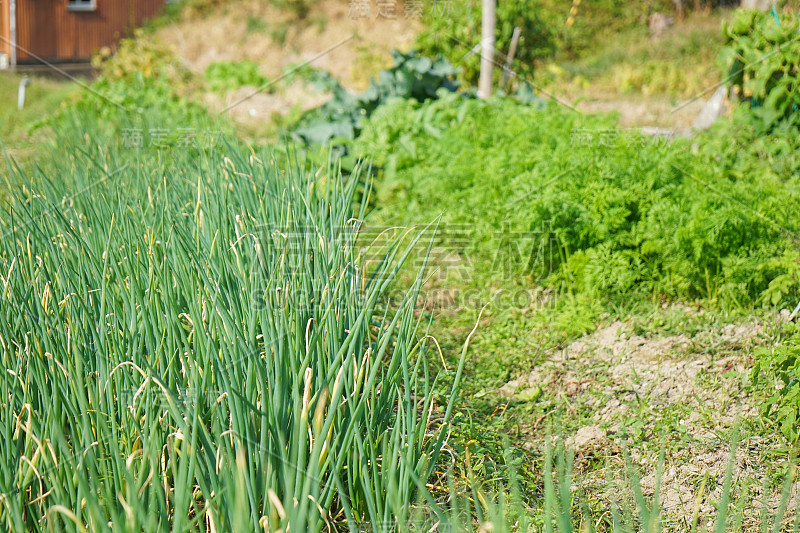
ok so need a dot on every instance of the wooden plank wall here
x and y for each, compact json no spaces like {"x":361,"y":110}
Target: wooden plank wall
{"x":47,"y":29}
{"x":5,"y":29}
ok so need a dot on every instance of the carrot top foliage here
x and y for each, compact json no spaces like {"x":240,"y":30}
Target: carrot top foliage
{"x":622,"y":216}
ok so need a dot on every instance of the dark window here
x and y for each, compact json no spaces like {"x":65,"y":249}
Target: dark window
{"x":82,"y":5}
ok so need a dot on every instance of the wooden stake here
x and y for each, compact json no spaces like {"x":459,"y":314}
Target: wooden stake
{"x":487,"y":48}
{"x":511,"y":53}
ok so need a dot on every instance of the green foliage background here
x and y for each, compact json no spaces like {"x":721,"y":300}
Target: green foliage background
{"x":452,"y":29}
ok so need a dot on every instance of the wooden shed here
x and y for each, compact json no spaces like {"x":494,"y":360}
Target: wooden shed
{"x":66,"y":30}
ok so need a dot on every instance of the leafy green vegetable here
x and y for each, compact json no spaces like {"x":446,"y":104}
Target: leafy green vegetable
{"x":412,"y":76}
{"x":762,"y":62}
{"x":783,"y":363}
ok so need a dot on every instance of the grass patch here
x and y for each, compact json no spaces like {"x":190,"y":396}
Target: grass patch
{"x":682,"y":63}
{"x":43,"y":96}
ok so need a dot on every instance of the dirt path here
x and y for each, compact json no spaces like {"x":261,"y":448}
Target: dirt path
{"x":646,"y":112}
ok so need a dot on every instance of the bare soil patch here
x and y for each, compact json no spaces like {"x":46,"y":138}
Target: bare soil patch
{"x":614,"y":376}
{"x":284,"y":41}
